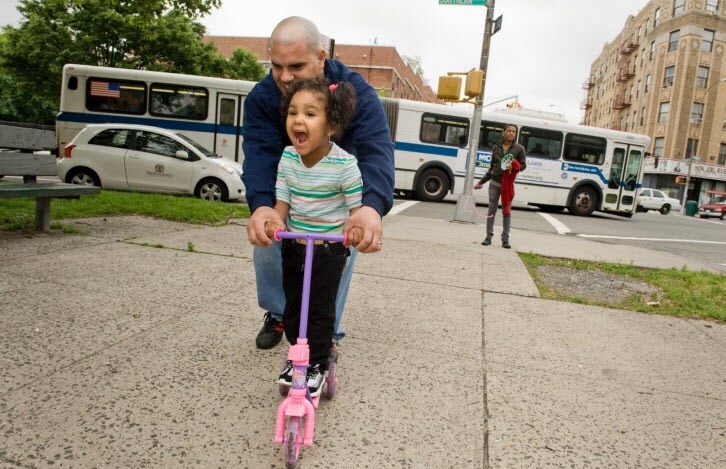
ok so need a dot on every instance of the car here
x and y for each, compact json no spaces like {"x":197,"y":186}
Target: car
{"x":653,"y":199}
{"x":142,"y":158}
{"x":715,"y":208}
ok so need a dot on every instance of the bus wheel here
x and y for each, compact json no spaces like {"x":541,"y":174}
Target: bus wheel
{"x":584,"y":201}
{"x":432,"y":185}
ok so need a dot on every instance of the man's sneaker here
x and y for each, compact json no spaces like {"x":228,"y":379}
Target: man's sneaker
{"x":270,"y":334}
{"x":487,"y":241}
{"x":286,"y":374}
{"x":506,"y":245}
{"x":333,"y":354}
{"x":316,"y":379}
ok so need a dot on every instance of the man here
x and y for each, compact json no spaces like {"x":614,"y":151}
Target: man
{"x":296,"y":53}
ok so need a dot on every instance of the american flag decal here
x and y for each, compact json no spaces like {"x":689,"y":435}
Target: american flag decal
{"x":109,"y":89}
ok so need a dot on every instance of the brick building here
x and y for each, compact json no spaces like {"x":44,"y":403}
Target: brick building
{"x":381,"y":66}
{"x":663,"y":75}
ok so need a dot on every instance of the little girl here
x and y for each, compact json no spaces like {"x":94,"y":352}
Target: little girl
{"x":318,"y":186}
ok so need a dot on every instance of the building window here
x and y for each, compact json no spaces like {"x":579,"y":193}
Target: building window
{"x":691,"y":147}
{"x":679,"y":6}
{"x":697,"y":113}
{"x":656,"y":18}
{"x":658,"y":145}
{"x":652,"y":50}
{"x":642,"y":116}
{"x":702,"y":77}
{"x":647,"y":21}
{"x":647,"y":83}
{"x":637,"y":90}
{"x":663,"y":111}
{"x":712,"y":6}
{"x":707,"y":42}
{"x":673,"y":40}
{"x":670,"y":72}
{"x":722,"y":154}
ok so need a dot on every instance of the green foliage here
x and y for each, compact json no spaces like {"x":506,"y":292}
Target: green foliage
{"x":139,"y":34}
{"x":384,"y":93}
{"x":686,"y":293}
{"x":18,"y":214}
{"x":243,"y":65}
{"x":19,"y":106}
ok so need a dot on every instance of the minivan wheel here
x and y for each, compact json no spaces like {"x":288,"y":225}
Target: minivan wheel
{"x":211,"y":189}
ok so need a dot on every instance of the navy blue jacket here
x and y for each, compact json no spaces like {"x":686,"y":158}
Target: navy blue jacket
{"x":367,"y":137}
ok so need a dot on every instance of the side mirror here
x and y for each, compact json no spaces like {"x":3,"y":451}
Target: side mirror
{"x":181,"y":154}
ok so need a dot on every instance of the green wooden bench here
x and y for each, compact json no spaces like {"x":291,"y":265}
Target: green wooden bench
{"x":30,"y":166}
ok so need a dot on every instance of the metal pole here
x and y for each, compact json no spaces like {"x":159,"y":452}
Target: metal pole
{"x":467,"y":199}
{"x":685,"y":189}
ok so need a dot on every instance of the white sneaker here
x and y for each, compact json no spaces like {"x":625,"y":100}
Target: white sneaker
{"x":316,"y":379}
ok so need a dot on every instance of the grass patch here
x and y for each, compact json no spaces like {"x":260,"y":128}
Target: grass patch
{"x":19,"y":214}
{"x":685,"y":293}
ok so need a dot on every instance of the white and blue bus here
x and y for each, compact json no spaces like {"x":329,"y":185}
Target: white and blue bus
{"x":577,"y":167}
{"x":208,"y":110}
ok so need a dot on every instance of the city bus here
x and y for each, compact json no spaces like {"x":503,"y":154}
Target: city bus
{"x":208,"y":110}
{"x":581,"y":168}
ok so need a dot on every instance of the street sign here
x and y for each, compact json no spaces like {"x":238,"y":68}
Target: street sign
{"x":463,"y":2}
{"x":497,"y":24}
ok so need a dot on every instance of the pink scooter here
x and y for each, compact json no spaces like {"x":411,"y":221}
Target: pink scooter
{"x":298,"y":404}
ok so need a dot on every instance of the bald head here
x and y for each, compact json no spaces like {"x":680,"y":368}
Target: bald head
{"x":296,"y":30}
{"x":295,"y":52}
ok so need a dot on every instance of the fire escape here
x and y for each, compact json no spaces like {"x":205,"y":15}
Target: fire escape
{"x":587,"y":86}
{"x":623,"y":74}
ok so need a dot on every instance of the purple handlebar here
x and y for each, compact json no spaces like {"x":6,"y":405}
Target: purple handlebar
{"x":339,"y":238}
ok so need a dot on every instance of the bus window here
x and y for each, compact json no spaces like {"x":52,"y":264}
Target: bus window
{"x":633,"y":169}
{"x":446,"y":130}
{"x":117,"y":96}
{"x":490,"y":134}
{"x":541,"y":142}
{"x":181,"y":102}
{"x":226,"y":111}
{"x":584,"y":149}
{"x":616,"y":168}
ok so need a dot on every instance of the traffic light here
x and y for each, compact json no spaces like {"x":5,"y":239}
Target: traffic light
{"x":474,"y":82}
{"x":449,"y":88}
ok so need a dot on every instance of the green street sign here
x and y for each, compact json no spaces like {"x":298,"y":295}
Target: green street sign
{"x":463,"y":2}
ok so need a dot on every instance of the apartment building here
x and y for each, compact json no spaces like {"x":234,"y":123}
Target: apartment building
{"x":382,"y":66}
{"x":664,"y":76}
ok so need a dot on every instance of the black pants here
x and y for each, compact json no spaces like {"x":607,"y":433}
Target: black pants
{"x":328,"y":263}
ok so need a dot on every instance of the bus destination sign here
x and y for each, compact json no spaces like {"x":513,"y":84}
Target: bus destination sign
{"x":463,"y":2}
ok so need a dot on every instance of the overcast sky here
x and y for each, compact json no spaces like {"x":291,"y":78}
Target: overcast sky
{"x":542,"y":53}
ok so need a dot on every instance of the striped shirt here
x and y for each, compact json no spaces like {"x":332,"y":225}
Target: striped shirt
{"x":321,"y":197}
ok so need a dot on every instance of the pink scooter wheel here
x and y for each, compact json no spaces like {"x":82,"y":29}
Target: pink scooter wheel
{"x":331,"y":380}
{"x":292,"y":442}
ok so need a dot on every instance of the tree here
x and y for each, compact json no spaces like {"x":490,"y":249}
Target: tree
{"x":144,"y":34}
{"x":243,"y":65}
{"x":415,"y":64}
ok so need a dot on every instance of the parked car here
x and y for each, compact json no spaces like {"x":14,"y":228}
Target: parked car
{"x":653,"y":199}
{"x":148,"y":159}
{"x":716,"y":208}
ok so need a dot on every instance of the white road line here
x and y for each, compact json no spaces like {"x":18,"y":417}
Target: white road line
{"x":556,"y":224}
{"x":401,"y":207}
{"x":633,"y":238}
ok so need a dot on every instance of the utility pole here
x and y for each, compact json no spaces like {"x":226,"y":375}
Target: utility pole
{"x":467,"y":199}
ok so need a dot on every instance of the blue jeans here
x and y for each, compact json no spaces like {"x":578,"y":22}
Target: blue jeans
{"x":271,"y":296}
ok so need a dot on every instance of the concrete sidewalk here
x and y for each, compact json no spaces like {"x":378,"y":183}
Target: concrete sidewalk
{"x":134,"y":346}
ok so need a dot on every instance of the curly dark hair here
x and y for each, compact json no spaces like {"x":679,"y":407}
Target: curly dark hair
{"x":339,"y":101}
